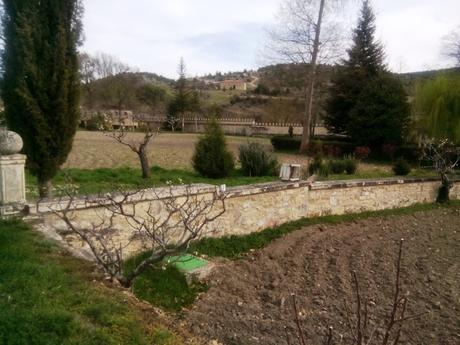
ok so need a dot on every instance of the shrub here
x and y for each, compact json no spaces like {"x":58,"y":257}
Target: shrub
{"x":314,"y":148}
{"x":315,"y":166}
{"x":362,"y":152}
{"x":401,"y":167}
{"x":411,"y":153}
{"x":332,"y":150}
{"x":96,"y":123}
{"x":337,"y":166}
{"x":256,"y":161}
{"x":335,"y":148}
{"x":285,"y":142}
{"x":324,"y":170}
{"x":351,"y":165}
{"x":389,"y":150}
{"x":212,"y":157}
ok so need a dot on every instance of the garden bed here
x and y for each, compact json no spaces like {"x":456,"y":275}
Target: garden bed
{"x":249,"y":300}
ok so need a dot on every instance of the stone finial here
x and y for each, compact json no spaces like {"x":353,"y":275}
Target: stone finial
{"x":10,"y":143}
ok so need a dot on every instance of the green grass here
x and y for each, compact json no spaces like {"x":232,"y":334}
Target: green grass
{"x":104,"y":180}
{"x":164,"y":286}
{"x":235,"y":247}
{"x":376,"y":174}
{"x":221,"y":97}
{"x":47,"y":297}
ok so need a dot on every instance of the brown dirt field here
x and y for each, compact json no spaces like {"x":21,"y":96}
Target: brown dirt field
{"x":249,"y":300}
{"x":92,"y":150}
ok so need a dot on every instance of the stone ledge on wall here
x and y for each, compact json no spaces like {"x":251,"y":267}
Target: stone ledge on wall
{"x":56,"y":204}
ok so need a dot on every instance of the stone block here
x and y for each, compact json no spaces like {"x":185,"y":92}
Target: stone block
{"x":12,"y":180}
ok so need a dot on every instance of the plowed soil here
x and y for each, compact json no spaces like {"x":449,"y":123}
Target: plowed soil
{"x":249,"y":301}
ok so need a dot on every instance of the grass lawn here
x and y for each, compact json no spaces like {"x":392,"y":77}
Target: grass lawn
{"x":103,"y":180}
{"x":48,"y":297}
{"x":164,"y":286}
{"x":221,"y":97}
{"x":378,"y":173}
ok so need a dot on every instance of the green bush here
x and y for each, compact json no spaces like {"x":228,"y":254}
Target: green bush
{"x":351,"y":165}
{"x":324,"y":170}
{"x":315,"y":165}
{"x":212,"y":158}
{"x":337,"y":166}
{"x":286,"y":143}
{"x":410,"y":152}
{"x":256,"y":161}
{"x":401,"y":167}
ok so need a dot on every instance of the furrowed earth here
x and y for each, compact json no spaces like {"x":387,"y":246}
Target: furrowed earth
{"x":249,"y":301}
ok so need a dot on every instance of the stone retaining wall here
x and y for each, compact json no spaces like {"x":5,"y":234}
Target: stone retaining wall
{"x":256,"y":207}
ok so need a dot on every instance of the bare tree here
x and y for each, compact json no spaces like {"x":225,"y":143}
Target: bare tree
{"x":117,"y":85}
{"x":304,"y":37}
{"x":185,"y":216}
{"x":108,"y":65}
{"x":452,"y":46}
{"x":358,"y":321}
{"x":445,"y":157}
{"x":138,"y":147}
{"x":88,"y":74}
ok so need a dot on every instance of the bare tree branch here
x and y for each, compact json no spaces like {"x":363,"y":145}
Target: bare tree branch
{"x":138,"y":147}
{"x":182,"y":215}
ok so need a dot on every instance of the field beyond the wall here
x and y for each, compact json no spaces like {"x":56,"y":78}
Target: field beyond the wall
{"x":92,"y":150}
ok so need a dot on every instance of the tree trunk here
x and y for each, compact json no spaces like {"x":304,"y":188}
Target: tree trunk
{"x":310,"y":89}
{"x":44,"y":188}
{"x":144,"y":163}
{"x":127,"y":281}
{"x":444,"y":190}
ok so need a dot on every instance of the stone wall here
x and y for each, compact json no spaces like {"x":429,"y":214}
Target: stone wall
{"x":242,"y":126}
{"x":254,"y":208}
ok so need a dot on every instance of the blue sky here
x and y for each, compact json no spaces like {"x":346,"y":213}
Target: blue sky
{"x":222,"y":35}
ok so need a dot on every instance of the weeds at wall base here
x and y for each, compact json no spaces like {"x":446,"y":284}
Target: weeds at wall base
{"x":235,"y":247}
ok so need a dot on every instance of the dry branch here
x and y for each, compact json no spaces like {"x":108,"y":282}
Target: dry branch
{"x":138,"y":147}
{"x":172,"y":219}
{"x":358,"y":321}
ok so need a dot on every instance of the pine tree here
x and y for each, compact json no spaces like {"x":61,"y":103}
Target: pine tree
{"x":212,"y":157}
{"x":381,"y":113}
{"x":40,"y":85}
{"x":365,"y":61}
{"x":366,"y":102}
{"x":366,"y":53}
{"x":185,"y":99}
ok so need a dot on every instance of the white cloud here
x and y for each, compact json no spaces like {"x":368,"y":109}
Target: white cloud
{"x":226,"y":35}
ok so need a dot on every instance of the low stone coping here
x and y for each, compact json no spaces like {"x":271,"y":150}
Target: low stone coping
{"x":232,"y":192}
{"x":99,"y":200}
{"x":375,"y":182}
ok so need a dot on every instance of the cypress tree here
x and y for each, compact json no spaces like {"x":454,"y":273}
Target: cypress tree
{"x":365,"y":61}
{"x":40,"y":84}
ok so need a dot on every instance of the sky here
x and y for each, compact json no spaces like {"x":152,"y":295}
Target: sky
{"x":230,"y":35}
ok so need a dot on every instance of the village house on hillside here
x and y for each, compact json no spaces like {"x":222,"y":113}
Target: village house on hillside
{"x":233,"y":85}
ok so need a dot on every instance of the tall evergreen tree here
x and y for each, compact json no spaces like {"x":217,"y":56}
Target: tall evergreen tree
{"x":40,"y":84}
{"x":185,"y":98}
{"x":365,"y":61}
{"x":366,"y":101}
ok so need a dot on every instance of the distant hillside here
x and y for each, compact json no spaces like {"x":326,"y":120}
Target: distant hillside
{"x":428,"y":74}
{"x":154,"y":78}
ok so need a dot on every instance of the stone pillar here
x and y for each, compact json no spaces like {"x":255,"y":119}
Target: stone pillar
{"x":12,"y":174}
